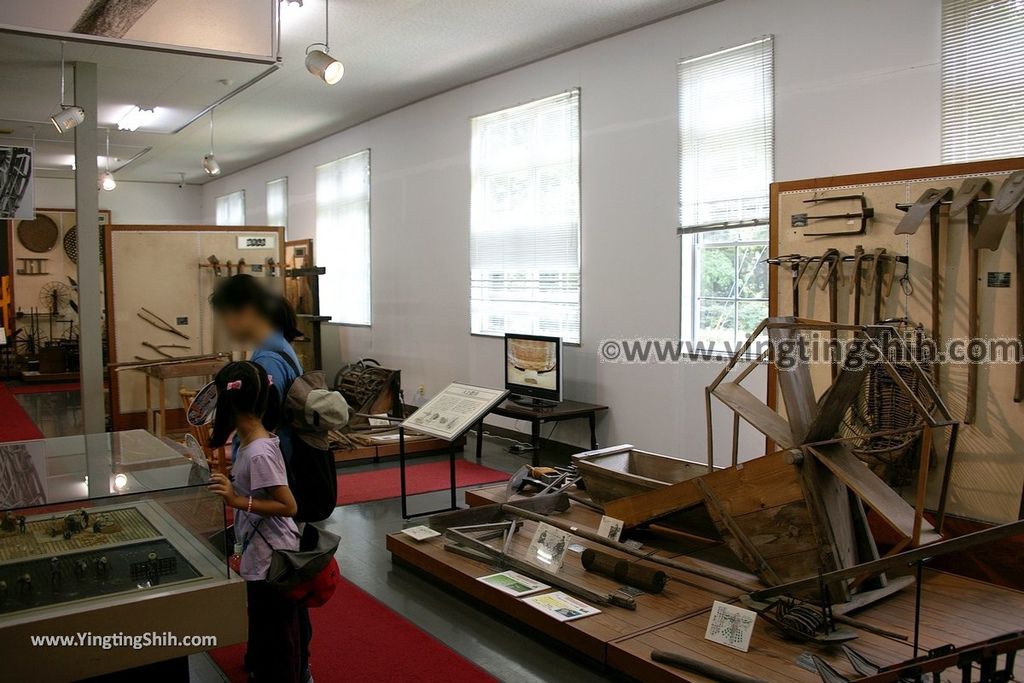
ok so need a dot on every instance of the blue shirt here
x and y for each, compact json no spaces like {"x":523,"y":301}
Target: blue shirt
{"x":268,"y":356}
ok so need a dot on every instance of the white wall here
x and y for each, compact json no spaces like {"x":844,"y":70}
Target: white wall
{"x":857,"y":89}
{"x":130,"y":203}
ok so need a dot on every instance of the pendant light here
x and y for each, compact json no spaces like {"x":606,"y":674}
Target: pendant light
{"x":67,"y":116}
{"x":210,"y":164}
{"x":107,"y":181}
{"x":319,"y":62}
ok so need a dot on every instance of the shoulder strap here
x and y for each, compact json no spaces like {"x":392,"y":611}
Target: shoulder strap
{"x":288,"y":359}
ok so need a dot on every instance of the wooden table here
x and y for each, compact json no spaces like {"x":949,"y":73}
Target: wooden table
{"x":537,"y":415}
{"x":162,"y":373}
{"x":955,"y":610}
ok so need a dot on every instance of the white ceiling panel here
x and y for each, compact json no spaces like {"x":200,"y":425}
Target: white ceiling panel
{"x":395,"y":52}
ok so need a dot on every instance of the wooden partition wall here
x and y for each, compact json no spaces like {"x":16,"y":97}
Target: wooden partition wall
{"x":166,"y":270}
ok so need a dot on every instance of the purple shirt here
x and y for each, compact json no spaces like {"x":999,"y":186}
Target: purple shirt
{"x":259,"y":466}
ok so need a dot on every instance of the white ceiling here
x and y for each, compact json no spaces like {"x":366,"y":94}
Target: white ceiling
{"x":395,"y":52}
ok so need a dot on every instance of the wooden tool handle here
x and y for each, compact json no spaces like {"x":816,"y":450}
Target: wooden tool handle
{"x":629,"y":573}
{"x":703,"y":668}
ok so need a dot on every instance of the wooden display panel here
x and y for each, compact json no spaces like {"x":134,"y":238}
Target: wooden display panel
{"x":954,"y":610}
{"x":988,"y":471}
{"x":164,"y":269}
{"x":25,"y":289}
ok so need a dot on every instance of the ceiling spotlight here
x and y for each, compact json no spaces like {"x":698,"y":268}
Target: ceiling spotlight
{"x":289,"y":3}
{"x":319,"y":62}
{"x":68,"y":115}
{"x":324,"y":66}
{"x":106,"y":180}
{"x":210,"y":164}
{"x":136,"y":116}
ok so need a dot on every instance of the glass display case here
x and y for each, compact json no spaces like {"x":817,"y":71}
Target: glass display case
{"x":101,"y":520}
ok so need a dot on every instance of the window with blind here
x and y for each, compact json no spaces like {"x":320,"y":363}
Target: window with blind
{"x":525,"y":220}
{"x":726,"y":164}
{"x":343,"y":238}
{"x":231,"y":209}
{"x":277,"y":203}
{"x":982,"y":79}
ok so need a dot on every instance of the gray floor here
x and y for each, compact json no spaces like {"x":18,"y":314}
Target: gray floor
{"x":481,"y":636}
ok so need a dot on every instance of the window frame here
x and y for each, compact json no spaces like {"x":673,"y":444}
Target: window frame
{"x":275,"y":181}
{"x":578,"y":91}
{"x":216,"y":209}
{"x":692,"y":240}
{"x":965,"y":33}
{"x":318,"y":253}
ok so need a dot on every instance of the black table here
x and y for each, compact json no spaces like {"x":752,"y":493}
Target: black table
{"x":538,"y":415}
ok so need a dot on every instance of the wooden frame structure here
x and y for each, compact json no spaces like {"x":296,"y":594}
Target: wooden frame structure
{"x":122,"y":421}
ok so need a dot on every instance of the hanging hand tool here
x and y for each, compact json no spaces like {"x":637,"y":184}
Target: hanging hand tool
{"x":215,"y":262}
{"x":1018,"y":385}
{"x":858,"y":258}
{"x":965,"y":199}
{"x":874,"y":280}
{"x":796,"y":270}
{"x":833,"y":280}
{"x":1009,"y":201}
{"x":866,"y":213}
{"x":1002,"y":208}
{"x":241,"y":265}
{"x":928,"y":205}
{"x":159,"y":323}
{"x":271,"y":267}
{"x":228,"y":266}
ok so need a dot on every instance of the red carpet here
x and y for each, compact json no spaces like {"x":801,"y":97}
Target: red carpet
{"x":356,"y":638}
{"x":362,"y":487}
{"x":15,"y":424}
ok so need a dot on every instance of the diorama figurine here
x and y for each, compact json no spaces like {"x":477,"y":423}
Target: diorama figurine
{"x":102,"y":567}
{"x":25,"y":583}
{"x":7,"y":522}
{"x":22,"y":524}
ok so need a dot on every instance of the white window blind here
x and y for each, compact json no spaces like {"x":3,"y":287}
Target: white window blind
{"x":982,"y":79}
{"x":525,"y":219}
{"x":726,"y":164}
{"x":343,"y":238}
{"x":277,"y":203}
{"x":231,"y":209}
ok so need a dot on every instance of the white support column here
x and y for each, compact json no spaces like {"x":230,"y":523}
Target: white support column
{"x":90,"y":277}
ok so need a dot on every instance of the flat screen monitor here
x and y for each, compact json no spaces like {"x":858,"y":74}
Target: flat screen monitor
{"x":533,"y":368}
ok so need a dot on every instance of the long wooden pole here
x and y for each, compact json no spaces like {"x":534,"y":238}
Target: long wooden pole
{"x":704,"y":572}
{"x":903,"y":559}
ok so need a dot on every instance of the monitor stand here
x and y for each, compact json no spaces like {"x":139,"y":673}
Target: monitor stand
{"x":530,"y":402}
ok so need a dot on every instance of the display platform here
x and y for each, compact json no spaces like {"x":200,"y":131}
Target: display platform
{"x":103,"y":535}
{"x":955,"y":610}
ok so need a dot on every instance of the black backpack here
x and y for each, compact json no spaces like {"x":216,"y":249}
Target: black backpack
{"x":312,"y":476}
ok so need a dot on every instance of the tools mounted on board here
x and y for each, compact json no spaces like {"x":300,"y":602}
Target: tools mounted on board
{"x":876,"y":270}
{"x":159,"y":323}
{"x":31,"y":266}
{"x":866,"y":213}
{"x":229,"y":268}
{"x":987,"y":218}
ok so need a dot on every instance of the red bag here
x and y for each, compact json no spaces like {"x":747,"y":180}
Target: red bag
{"x":318,"y":590}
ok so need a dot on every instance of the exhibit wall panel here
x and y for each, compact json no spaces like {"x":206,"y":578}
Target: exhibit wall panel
{"x":987,"y":472}
{"x":856,"y":87}
{"x":165,"y":270}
